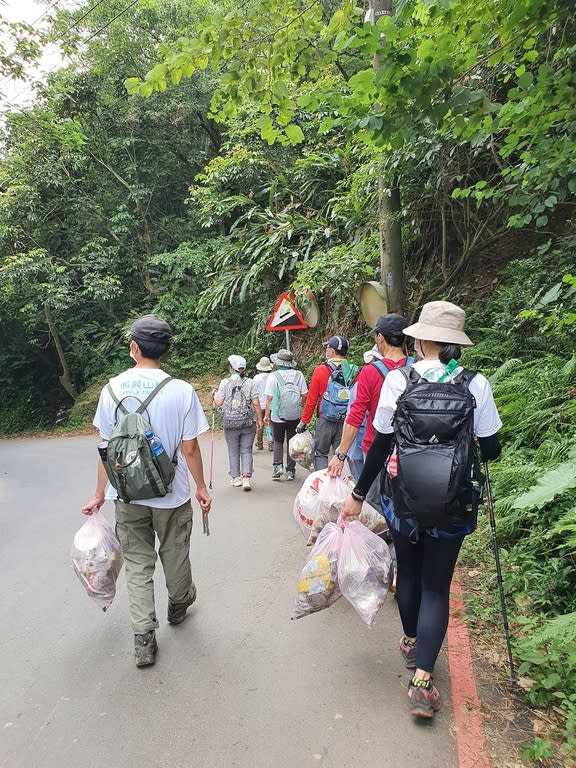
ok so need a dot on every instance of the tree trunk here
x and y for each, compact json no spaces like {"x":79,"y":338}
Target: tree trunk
{"x":390,"y":234}
{"x":64,"y":378}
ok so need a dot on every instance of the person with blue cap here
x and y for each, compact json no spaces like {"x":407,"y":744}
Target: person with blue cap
{"x":328,"y":396}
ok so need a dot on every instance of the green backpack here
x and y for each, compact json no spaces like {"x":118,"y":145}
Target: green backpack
{"x":135,"y":468}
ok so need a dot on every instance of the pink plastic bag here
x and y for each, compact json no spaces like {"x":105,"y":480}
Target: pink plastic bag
{"x":97,"y":559}
{"x":318,"y":582}
{"x":365,"y":569}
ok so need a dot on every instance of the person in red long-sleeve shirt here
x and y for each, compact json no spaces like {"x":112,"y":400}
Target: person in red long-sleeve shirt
{"x":328,"y":433}
{"x":390,"y":342}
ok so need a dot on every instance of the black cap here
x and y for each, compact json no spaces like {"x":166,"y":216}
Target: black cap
{"x":390,"y":325}
{"x":151,"y":328}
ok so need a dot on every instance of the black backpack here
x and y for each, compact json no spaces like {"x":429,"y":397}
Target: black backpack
{"x":436,"y":485}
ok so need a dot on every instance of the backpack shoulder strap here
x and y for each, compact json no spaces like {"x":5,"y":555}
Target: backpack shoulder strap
{"x":465,"y":376}
{"x":279,"y":379}
{"x":409,"y":374}
{"x":153,"y":394}
{"x":382,"y":369}
{"x":332,"y":367}
{"x":119,"y":404}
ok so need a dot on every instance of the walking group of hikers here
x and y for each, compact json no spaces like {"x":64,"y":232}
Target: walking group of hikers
{"x":405,"y":425}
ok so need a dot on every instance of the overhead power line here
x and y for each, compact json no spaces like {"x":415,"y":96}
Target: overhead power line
{"x":92,"y":36}
{"x":111,"y":20}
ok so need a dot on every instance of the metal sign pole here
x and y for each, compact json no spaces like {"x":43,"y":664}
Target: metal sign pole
{"x":288,"y":340}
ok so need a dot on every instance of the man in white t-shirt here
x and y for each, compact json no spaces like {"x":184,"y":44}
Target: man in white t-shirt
{"x":178,"y":419}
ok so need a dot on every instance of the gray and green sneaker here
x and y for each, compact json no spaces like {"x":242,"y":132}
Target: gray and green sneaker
{"x":277,"y":472}
{"x":145,"y":649}
{"x":177,"y":611}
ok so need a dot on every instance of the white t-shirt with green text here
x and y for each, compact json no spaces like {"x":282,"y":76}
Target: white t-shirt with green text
{"x":175,"y":415}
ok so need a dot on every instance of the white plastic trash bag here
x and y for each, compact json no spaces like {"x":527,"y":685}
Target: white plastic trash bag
{"x":97,"y":559}
{"x":365,"y":569}
{"x":318,"y":493}
{"x":368,"y":516}
{"x":301,"y":449}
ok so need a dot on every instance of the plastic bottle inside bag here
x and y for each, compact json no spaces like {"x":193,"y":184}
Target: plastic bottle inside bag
{"x":155,"y":443}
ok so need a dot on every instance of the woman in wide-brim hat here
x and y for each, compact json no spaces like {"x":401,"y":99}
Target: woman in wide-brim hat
{"x":426,"y":556}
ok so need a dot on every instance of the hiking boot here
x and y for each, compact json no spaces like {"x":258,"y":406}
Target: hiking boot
{"x":270,"y":446}
{"x":260,"y":446}
{"x":246,"y":483}
{"x":277,"y":472}
{"x":424,"y":698}
{"x":177,"y":611}
{"x":408,"y":651}
{"x":290,"y":474}
{"x":236,"y":482}
{"x":145,"y":649}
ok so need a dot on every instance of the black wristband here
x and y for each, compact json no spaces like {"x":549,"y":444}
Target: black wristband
{"x":357,"y":496}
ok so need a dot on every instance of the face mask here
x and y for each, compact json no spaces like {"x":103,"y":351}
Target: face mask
{"x":133,"y":356}
{"x":418,"y":350}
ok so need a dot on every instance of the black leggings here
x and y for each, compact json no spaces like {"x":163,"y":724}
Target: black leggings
{"x":425,"y":572}
{"x":283,"y":432}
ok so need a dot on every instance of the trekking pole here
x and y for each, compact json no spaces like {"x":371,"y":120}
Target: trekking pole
{"x":212,"y":448}
{"x":499,"y":572}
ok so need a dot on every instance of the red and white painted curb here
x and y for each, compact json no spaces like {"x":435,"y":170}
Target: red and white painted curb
{"x":470,"y":737}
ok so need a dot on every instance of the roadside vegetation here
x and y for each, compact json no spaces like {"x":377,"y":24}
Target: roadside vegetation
{"x":197,"y":158}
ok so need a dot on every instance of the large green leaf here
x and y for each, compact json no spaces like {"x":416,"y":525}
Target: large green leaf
{"x":550,"y":485}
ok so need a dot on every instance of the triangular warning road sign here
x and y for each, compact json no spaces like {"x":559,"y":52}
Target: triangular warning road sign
{"x":285,"y":316}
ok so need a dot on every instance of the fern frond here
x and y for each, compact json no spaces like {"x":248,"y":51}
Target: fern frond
{"x":558,"y":480}
{"x":569,"y":369}
{"x":561,"y":628}
{"x":504,"y":370}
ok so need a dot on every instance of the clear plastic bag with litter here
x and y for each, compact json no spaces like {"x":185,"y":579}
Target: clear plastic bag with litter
{"x":318,"y":583}
{"x":301,"y":449}
{"x":365,"y":569}
{"x":97,"y":559}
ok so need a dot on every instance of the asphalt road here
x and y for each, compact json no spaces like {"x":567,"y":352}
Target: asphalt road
{"x":236,"y":685}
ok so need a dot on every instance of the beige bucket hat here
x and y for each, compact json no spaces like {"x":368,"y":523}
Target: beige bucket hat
{"x":264,"y":364}
{"x":440,"y":321}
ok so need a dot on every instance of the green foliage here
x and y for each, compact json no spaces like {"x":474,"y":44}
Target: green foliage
{"x":538,"y":749}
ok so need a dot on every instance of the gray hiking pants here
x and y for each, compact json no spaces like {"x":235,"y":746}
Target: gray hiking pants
{"x":326,"y":436}
{"x":240,"y":443}
{"x":136,"y":528}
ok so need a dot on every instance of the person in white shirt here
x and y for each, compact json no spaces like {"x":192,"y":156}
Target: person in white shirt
{"x":426,"y":556}
{"x":178,"y":420}
{"x":239,"y":391}
{"x":264,"y":368}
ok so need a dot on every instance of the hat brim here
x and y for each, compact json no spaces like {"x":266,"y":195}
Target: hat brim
{"x":438,"y":333}
{"x":286,"y":363}
{"x":263,"y":368}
